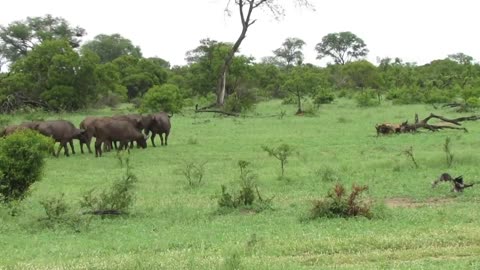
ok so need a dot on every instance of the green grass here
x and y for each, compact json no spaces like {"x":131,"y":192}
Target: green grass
{"x":172,"y":226}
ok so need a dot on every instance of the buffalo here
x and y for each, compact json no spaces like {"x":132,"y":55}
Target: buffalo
{"x":14,"y":128}
{"x":61,"y":131}
{"x":160,"y":124}
{"x":108,"y":130}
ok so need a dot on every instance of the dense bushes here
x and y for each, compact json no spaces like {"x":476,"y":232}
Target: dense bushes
{"x":166,"y":97}
{"x":21,"y":163}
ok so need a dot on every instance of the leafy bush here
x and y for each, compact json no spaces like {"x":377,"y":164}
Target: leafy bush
{"x":324,"y":96}
{"x":282,"y":153}
{"x":165,"y":98}
{"x":327,"y":174}
{"x":248,"y":196}
{"x":194,"y":173}
{"x":21,"y":163}
{"x":339,"y":204}
{"x":367,"y":98}
{"x":242,"y":100}
{"x":63,"y":98}
{"x":116,"y":200}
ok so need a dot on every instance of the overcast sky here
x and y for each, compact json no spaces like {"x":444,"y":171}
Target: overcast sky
{"x":415,"y":30}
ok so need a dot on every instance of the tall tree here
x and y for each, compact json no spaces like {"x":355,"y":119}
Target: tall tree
{"x":291,"y":52}
{"x":342,"y":47}
{"x":245,"y":9}
{"x":110,"y":47}
{"x":461,"y":58}
{"x":19,"y":37}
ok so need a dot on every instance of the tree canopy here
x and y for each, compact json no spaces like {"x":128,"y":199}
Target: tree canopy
{"x":343,"y":47}
{"x":110,"y":47}
{"x":20,"y":37}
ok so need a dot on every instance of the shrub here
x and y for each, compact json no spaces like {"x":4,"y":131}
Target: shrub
{"x":194,"y":173}
{"x":282,"y":153}
{"x":324,"y":96}
{"x":242,"y":100}
{"x":62,"y":97}
{"x":339,"y":204}
{"x":367,"y":98}
{"x":327,"y":174}
{"x":166,"y":97}
{"x":115,"y":200}
{"x":248,"y":196}
{"x":21,"y":163}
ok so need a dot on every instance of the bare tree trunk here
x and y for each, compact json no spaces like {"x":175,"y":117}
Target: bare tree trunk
{"x":246,"y":22}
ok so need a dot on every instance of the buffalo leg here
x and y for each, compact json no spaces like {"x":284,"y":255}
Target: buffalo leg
{"x":153,"y":139}
{"x":98,"y":148}
{"x":71,"y":145}
{"x":166,"y":139}
{"x":65,"y":148}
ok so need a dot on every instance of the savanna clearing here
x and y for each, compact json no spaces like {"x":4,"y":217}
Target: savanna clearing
{"x":173,"y":226}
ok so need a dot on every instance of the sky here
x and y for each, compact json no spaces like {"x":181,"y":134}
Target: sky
{"x":415,"y":30}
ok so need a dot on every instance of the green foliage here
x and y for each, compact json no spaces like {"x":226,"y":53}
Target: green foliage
{"x":62,"y":97}
{"x":367,"y":98}
{"x":448,"y":152}
{"x":165,"y":98}
{"x":338,"y":204}
{"x":55,"y":207}
{"x":22,"y":161}
{"x":118,"y":199}
{"x":324,"y":96}
{"x":241,"y":101}
{"x":55,"y":72}
{"x":327,"y":174}
{"x":19,"y":37}
{"x":291,"y":52}
{"x":247,"y":197}
{"x":281,"y":152}
{"x":342,"y":47}
{"x":194,"y":173}
{"x":110,"y":47}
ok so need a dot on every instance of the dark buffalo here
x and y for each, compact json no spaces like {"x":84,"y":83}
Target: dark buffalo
{"x":140,"y":122}
{"x":88,"y":124}
{"x":63,"y":132}
{"x":160,"y":124}
{"x":13,"y":128}
{"x":108,"y":130}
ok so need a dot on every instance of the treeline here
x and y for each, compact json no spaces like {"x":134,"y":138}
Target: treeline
{"x":48,"y":67}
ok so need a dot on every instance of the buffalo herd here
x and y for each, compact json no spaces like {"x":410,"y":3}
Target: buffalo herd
{"x":108,"y":131}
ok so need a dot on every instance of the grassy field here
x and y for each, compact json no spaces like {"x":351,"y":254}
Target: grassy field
{"x":172,"y":226}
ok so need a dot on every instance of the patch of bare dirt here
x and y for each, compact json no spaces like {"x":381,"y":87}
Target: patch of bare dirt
{"x":412,"y":203}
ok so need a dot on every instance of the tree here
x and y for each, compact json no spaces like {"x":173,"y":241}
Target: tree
{"x":342,"y":47}
{"x":245,"y":9}
{"x":53,"y":70}
{"x":291,"y":52}
{"x":110,"y":47}
{"x":20,"y":37}
{"x":461,"y":58}
{"x":301,"y":81}
{"x":139,"y":74}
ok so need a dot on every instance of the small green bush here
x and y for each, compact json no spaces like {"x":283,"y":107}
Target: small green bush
{"x":247,"y":197}
{"x":282,"y":153}
{"x":116,"y":200}
{"x":367,"y":98}
{"x":339,"y":204}
{"x":166,"y":97}
{"x":241,"y":101}
{"x":194,"y":173}
{"x":22,"y":159}
{"x":324,"y":96}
